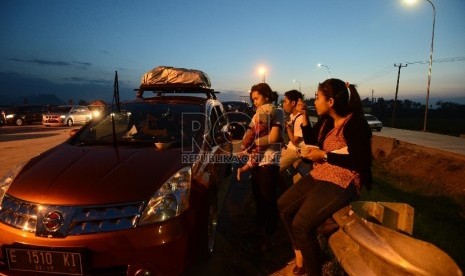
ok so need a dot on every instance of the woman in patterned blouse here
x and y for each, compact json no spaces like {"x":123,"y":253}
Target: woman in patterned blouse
{"x":341,"y":166}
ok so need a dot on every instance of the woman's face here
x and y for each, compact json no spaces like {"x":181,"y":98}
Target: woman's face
{"x":258,"y":99}
{"x":322,"y":104}
{"x":288,"y":105}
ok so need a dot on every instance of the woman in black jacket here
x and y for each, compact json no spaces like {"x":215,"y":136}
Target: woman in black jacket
{"x":341,"y":166}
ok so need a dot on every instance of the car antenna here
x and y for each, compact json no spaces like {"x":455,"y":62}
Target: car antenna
{"x":118,"y":106}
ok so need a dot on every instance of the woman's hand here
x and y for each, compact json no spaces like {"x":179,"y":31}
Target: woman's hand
{"x":315,"y":154}
{"x":301,"y":107}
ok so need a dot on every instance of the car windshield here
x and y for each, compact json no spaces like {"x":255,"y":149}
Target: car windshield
{"x":146,"y":123}
{"x":236,"y":107}
{"x":370,"y":118}
{"x":60,"y":109}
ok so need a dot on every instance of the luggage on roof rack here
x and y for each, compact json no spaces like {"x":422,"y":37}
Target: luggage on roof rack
{"x":165,"y":79}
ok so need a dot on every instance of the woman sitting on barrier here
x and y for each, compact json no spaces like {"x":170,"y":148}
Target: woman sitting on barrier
{"x":342,"y":165}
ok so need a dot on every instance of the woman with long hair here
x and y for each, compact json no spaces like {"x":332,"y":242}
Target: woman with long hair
{"x":341,"y":166}
{"x":265,"y":176}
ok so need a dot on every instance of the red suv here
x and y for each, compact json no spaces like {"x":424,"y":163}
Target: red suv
{"x":131,"y":193}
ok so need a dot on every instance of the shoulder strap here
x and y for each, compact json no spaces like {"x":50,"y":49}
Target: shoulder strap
{"x":293,"y":121}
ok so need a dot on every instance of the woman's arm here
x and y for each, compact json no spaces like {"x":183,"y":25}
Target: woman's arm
{"x":290,"y":133}
{"x":273,"y":137}
{"x":358,"y":137}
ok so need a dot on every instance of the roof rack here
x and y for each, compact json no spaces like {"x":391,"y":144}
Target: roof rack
{"x":180,"y":88}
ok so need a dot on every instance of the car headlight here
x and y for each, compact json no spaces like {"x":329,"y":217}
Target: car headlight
{"x":62,"y":116}
{"x":7,"y":179}
{"x":9,"y":116}
{"x":170,"y":200}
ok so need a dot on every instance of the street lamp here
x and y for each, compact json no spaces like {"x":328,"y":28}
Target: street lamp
{"x":322,"y":65}
{"x":262,"y":72}
{"x":299,"y":84}
{"x":430,"y":62}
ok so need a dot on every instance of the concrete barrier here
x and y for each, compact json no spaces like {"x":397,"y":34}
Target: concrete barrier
{"x":366,"y":248}
{"x":382,"y":146}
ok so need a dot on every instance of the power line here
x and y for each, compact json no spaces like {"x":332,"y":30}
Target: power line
{"x":389,"y":69}
{"x":441,"y":60}
{"x":383,"y":72}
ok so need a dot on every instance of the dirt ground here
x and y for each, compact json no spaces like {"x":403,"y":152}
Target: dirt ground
{"x":426,"y":172}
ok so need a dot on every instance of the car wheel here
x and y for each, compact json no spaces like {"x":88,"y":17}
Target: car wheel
{"x":379,"y":129}
{"x":69,"y":122}
{"x":19,"y":122}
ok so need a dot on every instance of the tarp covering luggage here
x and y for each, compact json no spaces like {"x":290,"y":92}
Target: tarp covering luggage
{"x":163,"y":75}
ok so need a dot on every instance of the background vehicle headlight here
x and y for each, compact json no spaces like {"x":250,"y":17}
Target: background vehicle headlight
{"x":62,"y":116}
{"x":7,"y":179}
{"x":170,"y":200}
{"x":9,"y":116}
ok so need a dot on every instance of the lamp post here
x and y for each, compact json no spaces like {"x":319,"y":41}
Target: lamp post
{"x":262,"y":72}
{"x":430,"y":64}
{"x":329,"y":71}
{"x":299,"y":85}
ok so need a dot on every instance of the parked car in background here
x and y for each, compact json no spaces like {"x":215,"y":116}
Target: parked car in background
{"x":2,"y":117}
{"x":67,"y":115}
{"x":133,"y":192}
{"x":373,"y":122}
{"x":239,"y":115}
{"x":24,"y":114}
{"x":312,"y":115}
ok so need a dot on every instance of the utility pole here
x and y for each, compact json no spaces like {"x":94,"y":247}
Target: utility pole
{"x":397,"y":90}
{"x":372,"y":99}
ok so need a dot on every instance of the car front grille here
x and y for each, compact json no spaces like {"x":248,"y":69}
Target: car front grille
{"x":69,"y":220}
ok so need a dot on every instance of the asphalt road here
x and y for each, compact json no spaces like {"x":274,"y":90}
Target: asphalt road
{"x":445,"y":143}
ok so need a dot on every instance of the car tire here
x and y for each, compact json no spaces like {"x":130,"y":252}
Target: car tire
{"x":69,"y":122}
{"x":19,"y":122}
{"x":378,"y":129}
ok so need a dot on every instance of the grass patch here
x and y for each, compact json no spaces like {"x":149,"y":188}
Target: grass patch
{"x":436,"y":218}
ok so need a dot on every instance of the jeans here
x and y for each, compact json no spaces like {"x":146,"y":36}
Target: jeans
{"x":264,"y":180}
{"x":306,"y":205}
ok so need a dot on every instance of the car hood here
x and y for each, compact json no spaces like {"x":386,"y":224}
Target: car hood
{"x":71,"y":175}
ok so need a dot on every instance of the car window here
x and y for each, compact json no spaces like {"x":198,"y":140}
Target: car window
{"x":370,"y":117}
{"x":217,"y":120}
{"x":60,"y":109}
{"x":147,"y":123}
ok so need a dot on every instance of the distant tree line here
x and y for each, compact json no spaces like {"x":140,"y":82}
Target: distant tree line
{"x":445,"y":118}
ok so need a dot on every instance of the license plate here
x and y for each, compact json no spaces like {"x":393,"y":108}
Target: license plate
{"x":48,"y":261}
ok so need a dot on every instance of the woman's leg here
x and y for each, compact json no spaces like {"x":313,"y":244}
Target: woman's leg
{"x":264,"y":184}
{"x":321,"y":202}
{"x":288,"y":205}
{"x":291,"y":201}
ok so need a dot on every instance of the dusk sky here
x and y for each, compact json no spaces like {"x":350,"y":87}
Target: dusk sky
{"x":64,"y":44}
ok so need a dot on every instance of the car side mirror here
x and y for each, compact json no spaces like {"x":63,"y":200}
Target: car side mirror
{"x":223,"y":136}
{"x":73,"y":132}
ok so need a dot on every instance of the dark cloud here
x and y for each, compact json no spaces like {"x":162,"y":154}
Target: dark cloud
{"x":89,"y":81}
{"x":78,"y":64}
{"x":87,"y":64}
{"x":18,"y":85}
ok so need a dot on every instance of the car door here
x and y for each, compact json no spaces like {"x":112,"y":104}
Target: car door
{"x":213,"y":161}
{"x":79,"y":115}
{"x":221,"y":148}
